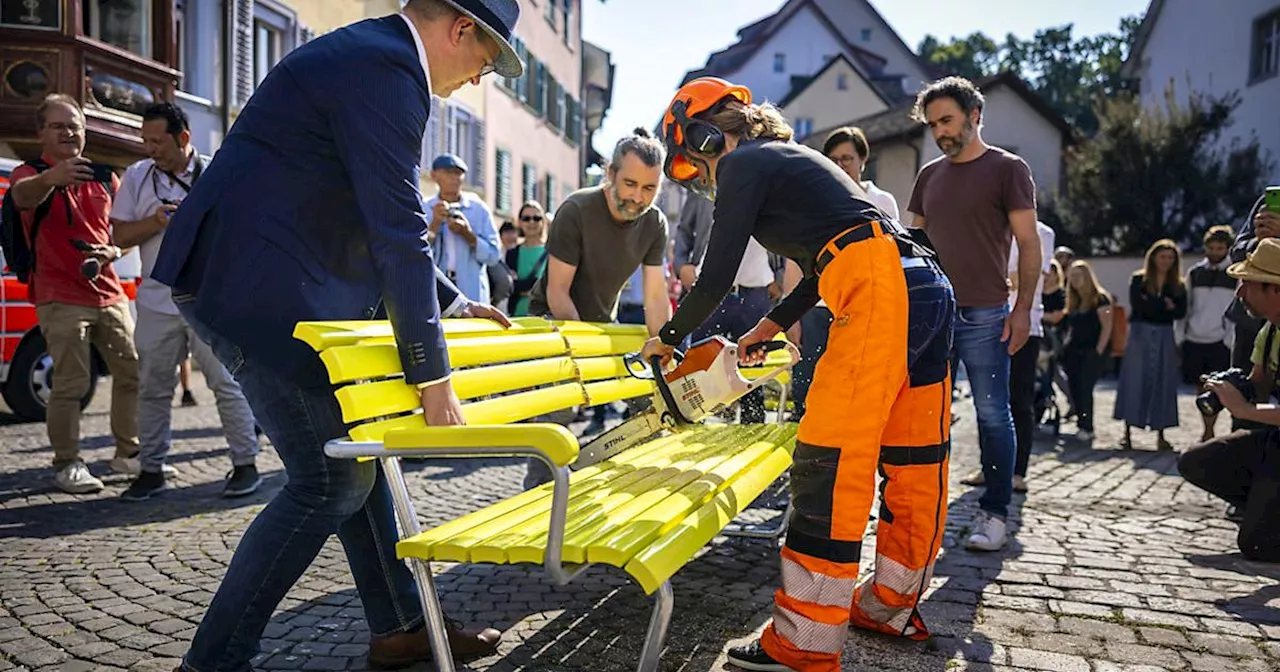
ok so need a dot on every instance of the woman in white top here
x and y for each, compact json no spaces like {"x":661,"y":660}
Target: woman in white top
{"x":848,"y":148}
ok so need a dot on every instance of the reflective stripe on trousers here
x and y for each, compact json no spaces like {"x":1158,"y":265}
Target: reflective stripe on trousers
{"x":880,"y":399}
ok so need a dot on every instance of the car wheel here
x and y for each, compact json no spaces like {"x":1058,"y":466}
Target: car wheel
{"x":30,"y":381}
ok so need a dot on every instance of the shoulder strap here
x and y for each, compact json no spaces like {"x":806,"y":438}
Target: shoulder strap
{"x":41,"y":210}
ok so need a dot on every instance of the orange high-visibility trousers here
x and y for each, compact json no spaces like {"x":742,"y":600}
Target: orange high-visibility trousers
{"x":880,"y":399}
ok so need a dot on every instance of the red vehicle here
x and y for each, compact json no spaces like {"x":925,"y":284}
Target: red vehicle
{"x":26,"y":370}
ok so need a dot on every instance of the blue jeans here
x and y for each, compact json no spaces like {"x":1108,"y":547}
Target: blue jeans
{"x":986,"y":363}
{"x":814,"y":328}
{"x":323,"y":496}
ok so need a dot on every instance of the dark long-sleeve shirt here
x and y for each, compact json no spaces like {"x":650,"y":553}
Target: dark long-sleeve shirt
{"x":793,"y":200}
{"x":1152,"y":309}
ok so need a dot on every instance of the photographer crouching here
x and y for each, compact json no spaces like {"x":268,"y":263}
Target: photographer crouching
{"x":1243,"y":467}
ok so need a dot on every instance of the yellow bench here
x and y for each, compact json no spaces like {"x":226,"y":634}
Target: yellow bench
{"x":647,"y":510}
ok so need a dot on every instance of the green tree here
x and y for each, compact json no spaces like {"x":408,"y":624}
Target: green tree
{"x":1071,"y":74}
{"x":1157,"y":173}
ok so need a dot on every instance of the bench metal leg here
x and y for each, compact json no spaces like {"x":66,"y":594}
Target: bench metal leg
{"x":408,"y":519}
{"x":663,"y":604}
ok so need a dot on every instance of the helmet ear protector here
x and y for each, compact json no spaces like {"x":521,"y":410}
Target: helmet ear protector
{"x":689,"y":143}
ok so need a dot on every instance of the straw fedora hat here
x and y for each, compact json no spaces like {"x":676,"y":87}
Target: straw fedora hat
{"x":1263,"y":264}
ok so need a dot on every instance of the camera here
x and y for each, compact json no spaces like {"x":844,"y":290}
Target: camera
{"x":1210,"y":404}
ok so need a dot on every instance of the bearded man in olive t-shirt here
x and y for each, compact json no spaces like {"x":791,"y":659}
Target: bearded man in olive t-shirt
{"x":599,"y":237}
{"x":970,"y":201}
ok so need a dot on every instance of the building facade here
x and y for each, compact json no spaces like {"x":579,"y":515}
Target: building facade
{"x":1237,"y":49}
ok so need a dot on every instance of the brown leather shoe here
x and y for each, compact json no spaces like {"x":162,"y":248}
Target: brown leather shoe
{"x":404,"y":649}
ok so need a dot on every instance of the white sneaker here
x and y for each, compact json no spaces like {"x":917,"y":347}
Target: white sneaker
{"x":989,"y":533}
{"x":76,"y":479}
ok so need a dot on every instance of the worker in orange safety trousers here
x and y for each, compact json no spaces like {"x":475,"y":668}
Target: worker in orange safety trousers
{"x":880,"y":396}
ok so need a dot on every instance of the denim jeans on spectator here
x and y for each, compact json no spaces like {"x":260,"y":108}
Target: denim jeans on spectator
{"x":323,"y":496}
{"x":986,"y":364}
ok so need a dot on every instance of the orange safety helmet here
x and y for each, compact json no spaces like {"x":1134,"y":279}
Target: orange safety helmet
{"x":690,"y":141}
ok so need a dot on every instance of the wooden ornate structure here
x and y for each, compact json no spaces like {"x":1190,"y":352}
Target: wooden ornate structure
{"x":114,"y":56}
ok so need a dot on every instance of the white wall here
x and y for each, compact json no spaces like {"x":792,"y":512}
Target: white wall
{"x":826,"y":105}
{"x":1209,"y":51}
{"x":852,"y":16}
{"x":807,"y":44}
{"x":1012,"y":124}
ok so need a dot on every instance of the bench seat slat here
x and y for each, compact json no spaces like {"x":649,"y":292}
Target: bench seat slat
{"x":454,"y":541}
{"x":682,"y":461}
{"x":625,"y":506}
{"x":322,"y":335}
{"x":463,"y":545}
{"x":728,"y":452}
{"x":600,"y":368}
{"x":646,"y":527}
{"x":660,"y":560}
{"x":600,"y":345}
{"x":607,"y":391}
{"x":502,"y":410}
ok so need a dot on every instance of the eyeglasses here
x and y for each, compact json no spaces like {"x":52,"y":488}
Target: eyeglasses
{"x":59,"y":127}
{"x":846,"y":160}
{"x":531,"y":218}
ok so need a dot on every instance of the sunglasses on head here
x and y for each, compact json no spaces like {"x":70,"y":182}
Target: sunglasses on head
{"x":531,"y":218}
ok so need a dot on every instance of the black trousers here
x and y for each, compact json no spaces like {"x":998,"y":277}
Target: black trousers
{"x":1243,"y":468}
{"x":1083,"y":366}
{"x":1022,"y":400}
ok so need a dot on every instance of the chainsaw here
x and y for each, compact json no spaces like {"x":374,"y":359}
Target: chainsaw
{"x":705,"y":381}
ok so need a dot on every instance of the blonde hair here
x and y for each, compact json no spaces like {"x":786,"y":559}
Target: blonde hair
{"x":752,"y":122}
{"x":1091,"y":296}
{"x":1173,"y":277}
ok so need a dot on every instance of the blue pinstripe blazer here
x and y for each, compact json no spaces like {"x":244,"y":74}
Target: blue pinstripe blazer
{"x":310,"y":210}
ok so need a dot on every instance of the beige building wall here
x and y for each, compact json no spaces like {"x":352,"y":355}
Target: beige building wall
{"x":827,"y":105}
{"x":895,"y":170}
{"x":323,"y":16}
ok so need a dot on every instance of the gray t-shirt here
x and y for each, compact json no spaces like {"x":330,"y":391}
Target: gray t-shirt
{"x":585,"y":234}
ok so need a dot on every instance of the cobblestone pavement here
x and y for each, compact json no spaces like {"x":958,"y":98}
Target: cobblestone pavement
{"x":1118,"y":566}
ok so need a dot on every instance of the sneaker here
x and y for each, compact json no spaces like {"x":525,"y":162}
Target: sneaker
{"x":76,"y":479}
{"x":188,"y":399}
{"x":1019,"y":483}
{"x":147,"y":483}
{"x":242,"y":481}
{"x":753,"y":657}
{"x":975,"y":477}
{"x":989,"y":533}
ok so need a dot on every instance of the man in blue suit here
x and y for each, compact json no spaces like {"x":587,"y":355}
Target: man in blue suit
{"x":311,"y":211}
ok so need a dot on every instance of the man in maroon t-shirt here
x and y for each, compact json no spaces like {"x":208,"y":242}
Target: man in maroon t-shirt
{"x":972,"y":201}
{"x":75,"y":311}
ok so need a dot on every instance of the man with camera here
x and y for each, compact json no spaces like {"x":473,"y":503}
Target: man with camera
{"x":1244,"y":467}
{"x":463,"y":239}
{"x":64,"y":202}
{"x":149,"y":194}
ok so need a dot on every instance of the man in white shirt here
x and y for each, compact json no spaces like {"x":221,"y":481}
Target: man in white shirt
{"x":148,"y":195}
{"x":1022,"y":366}
{"x":748,"y":300}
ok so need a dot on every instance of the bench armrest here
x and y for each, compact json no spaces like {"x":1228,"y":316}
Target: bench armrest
{"x":553,"y":442}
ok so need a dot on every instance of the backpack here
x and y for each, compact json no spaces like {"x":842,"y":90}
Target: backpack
{"x":19,"y":249}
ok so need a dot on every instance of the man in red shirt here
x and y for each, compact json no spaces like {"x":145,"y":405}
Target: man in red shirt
{"x":75,"y":310}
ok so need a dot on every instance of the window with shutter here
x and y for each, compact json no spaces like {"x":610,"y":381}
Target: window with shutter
{"x":537,"y":94}
{"x":432,"y":145}
{"x":242,"y":50}
{"x":522,"y":83}
{"x":549,"y":193}
{"x":502,"y":181}
{"x":477,"y":155}
{"x":529,"y":183}
{"x":566,"y":13}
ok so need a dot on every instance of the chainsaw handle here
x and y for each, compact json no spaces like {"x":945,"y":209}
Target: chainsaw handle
{"x":767,"y":346}
{"x":770,"y":346}
{"x":668,"y":399}
{"x":638,"y":368}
